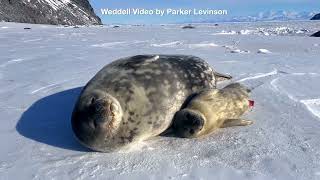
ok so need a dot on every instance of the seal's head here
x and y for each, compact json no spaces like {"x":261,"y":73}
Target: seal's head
{"x":96,"y":119}
{"x":188,"y":123}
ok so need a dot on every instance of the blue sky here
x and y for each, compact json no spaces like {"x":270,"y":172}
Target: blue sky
{"x":235,"y":8}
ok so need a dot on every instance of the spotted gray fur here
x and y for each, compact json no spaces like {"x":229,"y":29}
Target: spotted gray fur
{"x":149,"y":90}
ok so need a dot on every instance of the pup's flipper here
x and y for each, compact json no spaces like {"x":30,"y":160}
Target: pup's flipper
{"x":235,"y":122}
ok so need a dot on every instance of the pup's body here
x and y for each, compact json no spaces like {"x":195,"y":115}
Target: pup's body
{"x":212,"y":109}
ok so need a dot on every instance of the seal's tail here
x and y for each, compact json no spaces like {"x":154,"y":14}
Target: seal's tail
{"x":222,"y":77}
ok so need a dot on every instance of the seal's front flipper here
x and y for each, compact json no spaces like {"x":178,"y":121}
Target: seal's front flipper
{"x":188,"y":123}
{"x":235,"y":122}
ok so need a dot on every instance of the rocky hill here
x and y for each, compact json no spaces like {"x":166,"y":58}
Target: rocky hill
{"x":65,"y":12}
{"x":316,"y":17}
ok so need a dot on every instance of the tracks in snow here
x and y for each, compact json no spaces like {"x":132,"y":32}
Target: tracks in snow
{"x":312,"y":104}
{"x":50,"y":86}
{"x":13,"y":61}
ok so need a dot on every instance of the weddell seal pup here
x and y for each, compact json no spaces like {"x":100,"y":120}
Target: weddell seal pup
{"x":135,"y":98}
{"x":211,"y":109}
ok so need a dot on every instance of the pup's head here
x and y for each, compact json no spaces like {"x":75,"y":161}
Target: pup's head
{"x":188,"y":123}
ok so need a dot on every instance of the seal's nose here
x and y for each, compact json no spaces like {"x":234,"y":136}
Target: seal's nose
{"x":101,"y":112}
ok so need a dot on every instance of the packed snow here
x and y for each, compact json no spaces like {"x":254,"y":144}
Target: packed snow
{"x":264,"y":51}
{"x":269,"y":31}
{"x":43,"y":69}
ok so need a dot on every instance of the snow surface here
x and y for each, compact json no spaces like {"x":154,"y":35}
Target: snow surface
{"x":42,"y":71}
{"x":264,"y":51}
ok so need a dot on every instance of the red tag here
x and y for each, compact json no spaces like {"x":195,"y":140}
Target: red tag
{"x":251,"y":103}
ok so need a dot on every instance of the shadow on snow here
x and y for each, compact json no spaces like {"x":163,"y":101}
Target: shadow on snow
{"x":48,"y":120}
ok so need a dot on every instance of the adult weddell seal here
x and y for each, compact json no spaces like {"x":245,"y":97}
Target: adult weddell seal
{"x":138,"y":97}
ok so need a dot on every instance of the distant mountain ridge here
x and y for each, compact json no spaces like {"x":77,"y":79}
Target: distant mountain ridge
{"x":266,"y":16}
{"x":65,"y":12}
{"x":284,"y":15}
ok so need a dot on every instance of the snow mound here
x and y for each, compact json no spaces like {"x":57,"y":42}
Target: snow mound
{"x":224,"y":32}
{"x":264,"y":51}
{"x":203,"y":45}
{"x":246,"y":31}
{"x":169,"y":44}
{"x":108,"y":45}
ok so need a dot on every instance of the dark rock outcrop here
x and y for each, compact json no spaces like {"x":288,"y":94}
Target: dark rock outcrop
{"x":316,"y":17}
{"x":188,"y":27}
{"x":65,"y":12}
{"x":317,"y":34}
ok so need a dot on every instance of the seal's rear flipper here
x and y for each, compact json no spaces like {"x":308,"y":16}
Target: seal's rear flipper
{"x":235,"y":122}
{"x":221,"y":77}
